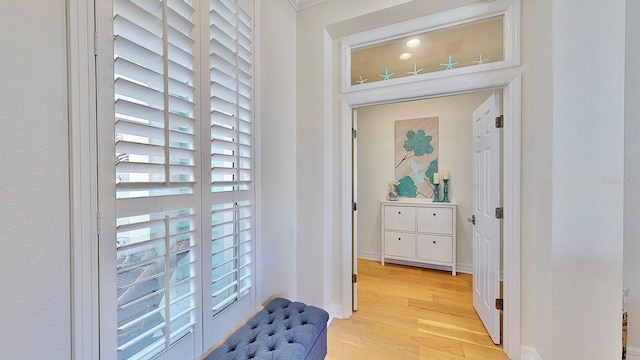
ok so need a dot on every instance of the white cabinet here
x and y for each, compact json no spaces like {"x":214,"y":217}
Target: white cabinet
{"x":420,"y":232}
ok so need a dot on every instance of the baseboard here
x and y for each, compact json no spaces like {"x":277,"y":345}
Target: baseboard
{"x":369,"y":255}
{"x":335,"y":311}
{"x":633,"y":353}
{"x":529,"y":353}
{"x":464,"y":268}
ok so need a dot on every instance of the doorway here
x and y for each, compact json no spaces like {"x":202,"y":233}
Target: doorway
{"x":510,"y":84}
{"x":373,"y":155}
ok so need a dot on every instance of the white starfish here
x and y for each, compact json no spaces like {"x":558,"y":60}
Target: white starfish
{"x":481,"y":61}
{"x":415,"y":71}
{"x":361,"y":81}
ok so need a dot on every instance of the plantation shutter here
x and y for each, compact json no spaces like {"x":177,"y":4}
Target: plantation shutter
{"x":232,"y":154}
{"x":155,"y":152}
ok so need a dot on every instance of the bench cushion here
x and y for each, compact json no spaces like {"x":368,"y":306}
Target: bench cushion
{"x":283,"y":330}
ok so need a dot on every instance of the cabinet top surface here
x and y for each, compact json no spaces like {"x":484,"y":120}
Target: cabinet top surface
{"x":411,"y":201}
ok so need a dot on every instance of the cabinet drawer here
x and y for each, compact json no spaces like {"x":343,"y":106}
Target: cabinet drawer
{"x":435,"y":220}
{"x":435,"y":248}
{"x":400,"y":218}
{"x":400,"y":244}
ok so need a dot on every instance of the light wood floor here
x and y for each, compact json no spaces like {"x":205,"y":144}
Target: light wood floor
{"x":411,"y":313}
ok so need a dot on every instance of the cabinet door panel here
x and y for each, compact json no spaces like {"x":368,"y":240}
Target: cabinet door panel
{"x":400,"y":218}
{"x":400,"y":244}
{"x":435,"y":220}
{"x":435,"y":248}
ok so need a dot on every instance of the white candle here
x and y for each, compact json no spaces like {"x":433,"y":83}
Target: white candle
{"x":445,"y":174}
{"x":436,"y":178}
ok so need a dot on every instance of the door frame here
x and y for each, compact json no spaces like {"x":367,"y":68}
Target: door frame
{"x":509,"y":80}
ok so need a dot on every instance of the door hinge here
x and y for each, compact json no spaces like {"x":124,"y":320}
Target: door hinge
{"x":500,"y":122}
{"x":499,"y":304}
{"x":95,"y":44}
{"x":354,"y":133}
{"x":354,"y":278}
{"x":499,"y":212}
{"x":98,"y":223}
{"x":354,"y":206}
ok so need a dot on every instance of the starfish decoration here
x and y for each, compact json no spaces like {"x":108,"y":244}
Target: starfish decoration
{"x":415,"y":71}
{"x":386,"y":75}
{"x":481,"y":61}
{"x":449,"y":65}
{"x":361,"y":81}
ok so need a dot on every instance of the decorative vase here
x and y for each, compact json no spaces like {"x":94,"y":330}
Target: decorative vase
{"x":393,"y":194}
{"x":445,"y":191}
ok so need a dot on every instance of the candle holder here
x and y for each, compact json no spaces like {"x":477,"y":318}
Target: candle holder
{"x":436,"y":192}
{"x":445,"y":191}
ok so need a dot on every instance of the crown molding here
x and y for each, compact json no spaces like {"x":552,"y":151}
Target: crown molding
{"x":303,"y":4}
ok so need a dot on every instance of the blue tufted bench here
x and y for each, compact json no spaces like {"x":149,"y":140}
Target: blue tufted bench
{"x":283,"y":330}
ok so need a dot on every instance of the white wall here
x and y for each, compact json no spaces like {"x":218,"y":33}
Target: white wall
{"x":312,"y":140}
{"x":588,"y":151}
{"x":376,"y":156}
{"x":632,"y":175}
{"x":276,"y":112}
{"x":537,"y":147}
{"x":34,"y":182}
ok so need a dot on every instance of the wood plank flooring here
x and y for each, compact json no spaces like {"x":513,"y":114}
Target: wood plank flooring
{"x":411,"y":313}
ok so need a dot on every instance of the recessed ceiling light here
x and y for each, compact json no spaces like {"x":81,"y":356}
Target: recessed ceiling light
{"x":405,"y":56}
{"x":413,"y":42}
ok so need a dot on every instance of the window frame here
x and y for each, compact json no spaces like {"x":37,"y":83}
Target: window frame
{"x":83,"y":45}
{"x":509,"y":9}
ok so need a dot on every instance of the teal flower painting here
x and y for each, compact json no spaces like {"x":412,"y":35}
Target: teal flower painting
{"x":416,"y":156}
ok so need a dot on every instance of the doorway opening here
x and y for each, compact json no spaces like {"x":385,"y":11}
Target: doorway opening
{"x":450,"y":140}
{"x":510,"y":85}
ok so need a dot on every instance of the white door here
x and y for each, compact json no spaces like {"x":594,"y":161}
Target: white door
{"x":354,"y":213}
{"x":486,"y":198}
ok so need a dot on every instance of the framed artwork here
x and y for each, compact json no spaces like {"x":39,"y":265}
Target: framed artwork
{"x":416,"y":156}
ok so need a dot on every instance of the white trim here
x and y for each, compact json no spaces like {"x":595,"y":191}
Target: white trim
{"x":327,"y":171}
{"x":529,"y":353}
{"x":83,"y":177}
{"x":510,"y":81}
{"x":633,"y":353}
{"x":257,"y":114}
{"x":511,"y":224}
{"x":510,"y":9}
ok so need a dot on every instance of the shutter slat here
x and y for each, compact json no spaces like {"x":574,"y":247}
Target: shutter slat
{"x":138,"y":15}
{"x":128,"y":147}
{"x":136,"y":34}
{"x":124,"y":47}
{"x":223,"y":119}
{"x":221,"y":92}
{"x":128,"y":69}
{"x":132,"y":90}
{"x":221,"y":105}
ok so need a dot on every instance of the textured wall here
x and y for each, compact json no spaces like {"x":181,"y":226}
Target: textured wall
{"x":276,"y":110}
{"x":588,"y":157}
{"x":34,"y":183}
{"x":632,"y":175}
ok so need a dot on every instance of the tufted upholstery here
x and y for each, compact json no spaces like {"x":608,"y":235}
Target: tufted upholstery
{"x":283,"y":330}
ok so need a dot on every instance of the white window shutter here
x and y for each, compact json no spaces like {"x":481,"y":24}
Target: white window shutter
{"x":232,"y":154}
{"x":155,"y":175}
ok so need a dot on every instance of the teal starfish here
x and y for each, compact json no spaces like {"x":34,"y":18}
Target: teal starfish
{"x":386,"y":75}
{"x":449,"y":65}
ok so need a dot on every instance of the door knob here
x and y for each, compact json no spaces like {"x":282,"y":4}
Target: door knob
{"x":472,"y":219}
